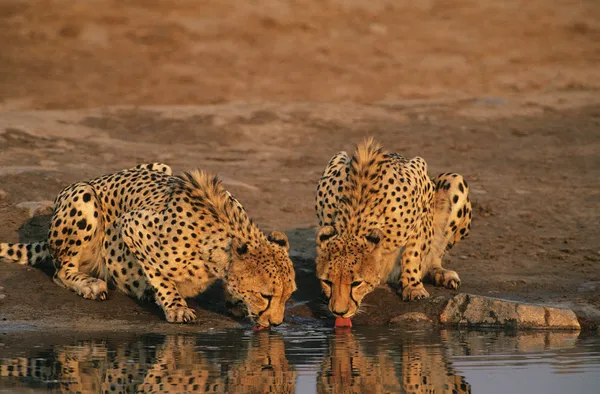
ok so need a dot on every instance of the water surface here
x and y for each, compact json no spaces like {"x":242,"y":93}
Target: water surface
{"x":305,"y":360}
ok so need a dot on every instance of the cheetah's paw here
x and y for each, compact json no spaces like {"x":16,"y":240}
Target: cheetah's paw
{"x":180,"y":314}
{"x":410,"y":293}
{"x":94,"y":290}
{"x":446,"y":278}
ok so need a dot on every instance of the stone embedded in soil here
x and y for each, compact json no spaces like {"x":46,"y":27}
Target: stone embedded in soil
{"x":36,"y":208}
{"x":475,"y":310}
{"x":411,"y":318}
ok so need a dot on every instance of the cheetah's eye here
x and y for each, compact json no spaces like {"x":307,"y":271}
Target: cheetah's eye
{"x":327,"y":282}
{"x":357,"y":283}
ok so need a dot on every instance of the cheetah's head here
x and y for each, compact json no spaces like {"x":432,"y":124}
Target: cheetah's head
{"x":348,"y":268}
{"x":262,"y":276}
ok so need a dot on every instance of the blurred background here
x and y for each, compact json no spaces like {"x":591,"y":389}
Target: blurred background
{"x":77,"y":54}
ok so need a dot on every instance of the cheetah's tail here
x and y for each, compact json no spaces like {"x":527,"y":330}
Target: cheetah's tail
{"x":24,"y":254}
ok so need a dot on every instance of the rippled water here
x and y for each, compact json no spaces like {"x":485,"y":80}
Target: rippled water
{"x":306,"y":360}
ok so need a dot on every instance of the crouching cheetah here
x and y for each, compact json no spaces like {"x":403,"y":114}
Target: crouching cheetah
{"x":164,"y":236}
{"x":378,"y":212}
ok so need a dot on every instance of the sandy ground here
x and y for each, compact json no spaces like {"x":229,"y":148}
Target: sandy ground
{"x":534,"y":182}
{"x":265,"y":92}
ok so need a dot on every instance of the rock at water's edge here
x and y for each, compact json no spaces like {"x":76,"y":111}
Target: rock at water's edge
{"x":475,"y":310}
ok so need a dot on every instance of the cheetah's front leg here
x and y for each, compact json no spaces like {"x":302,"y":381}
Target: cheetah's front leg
{"x":141,"y":234}
{"x":417,"y":246}
{"x":122,"y":266}
{"x":411,"y":276}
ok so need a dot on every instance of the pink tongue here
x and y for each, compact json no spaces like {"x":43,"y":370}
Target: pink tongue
{"x":259,"y":328}
{"x":343,"y":322}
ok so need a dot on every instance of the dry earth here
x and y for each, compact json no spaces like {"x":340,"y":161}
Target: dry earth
{"x":265,"y":92}
{"x":73,"y":54}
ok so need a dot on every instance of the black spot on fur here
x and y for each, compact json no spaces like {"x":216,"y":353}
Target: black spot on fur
{"x":373,"y":239}
{"x":82,"y":224}
{"x":242,"y":249}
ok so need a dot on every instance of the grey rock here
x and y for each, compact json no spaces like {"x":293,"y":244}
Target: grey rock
{"x":475,"y":310}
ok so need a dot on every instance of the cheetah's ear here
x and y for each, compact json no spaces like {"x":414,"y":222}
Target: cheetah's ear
{"x":324,"y":234}
{"x":279,"y":238}
{"x":238,"y":247}
{"x":375,"y":236}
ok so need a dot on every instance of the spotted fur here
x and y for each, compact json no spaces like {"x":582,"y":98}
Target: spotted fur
{"x":168,"y":237}
{"x":380,"y":213}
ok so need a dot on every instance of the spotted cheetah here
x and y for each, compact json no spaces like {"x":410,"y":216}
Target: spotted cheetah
{"x":168,"y":237}
{"x":379,"y":212}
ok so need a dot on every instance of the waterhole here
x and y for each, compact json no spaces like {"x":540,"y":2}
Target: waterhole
{"x":302,"y":360}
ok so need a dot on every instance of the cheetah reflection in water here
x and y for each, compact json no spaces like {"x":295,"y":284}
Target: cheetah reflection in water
{"x":180,"y":364}
{"x":354,"y":366}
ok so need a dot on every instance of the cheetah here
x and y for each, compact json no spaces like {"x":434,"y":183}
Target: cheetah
{"x":380,"y":213}
{"x":164,"y":237}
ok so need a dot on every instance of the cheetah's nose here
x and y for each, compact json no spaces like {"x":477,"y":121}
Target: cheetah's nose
{"x":275,"y":324}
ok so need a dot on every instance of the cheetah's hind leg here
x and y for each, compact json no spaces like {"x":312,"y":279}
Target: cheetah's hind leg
{"x":75,"y":242}
{"x":452,"y":222}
